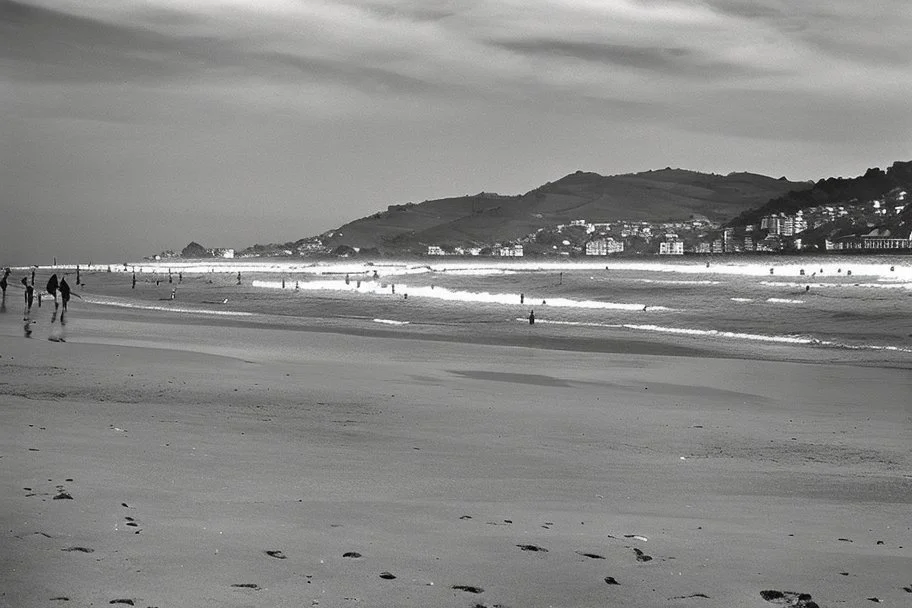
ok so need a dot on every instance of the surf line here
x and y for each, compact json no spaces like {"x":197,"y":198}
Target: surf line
{"x":442,"y":293}
{"x":201,"y":311}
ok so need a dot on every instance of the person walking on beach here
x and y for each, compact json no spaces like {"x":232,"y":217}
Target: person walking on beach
{"x":29,"y":298}
{"x":64,"y":298}
{"x":51,"y":288}
{"x":134,"y":281}
{"x":531,"y":317}
{"x":3,"y":283}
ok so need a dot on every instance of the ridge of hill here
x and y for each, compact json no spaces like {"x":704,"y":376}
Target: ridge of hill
{"x":874,"y":184}
{"x":660,"y":195}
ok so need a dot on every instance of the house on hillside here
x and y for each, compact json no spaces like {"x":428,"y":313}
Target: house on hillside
{"x":510,"y":251}
{"x":604,"y":246}
{"x":671,"y":247}
{"x":435,"y":250}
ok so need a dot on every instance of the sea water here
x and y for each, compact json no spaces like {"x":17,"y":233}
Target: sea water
{"x":849,"y":302}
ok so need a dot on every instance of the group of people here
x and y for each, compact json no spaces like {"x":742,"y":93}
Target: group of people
{"x":54,"y":287}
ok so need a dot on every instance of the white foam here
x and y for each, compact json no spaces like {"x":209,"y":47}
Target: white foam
{"x":679,"y":282}
{"x":442,"y":293}
{"x":741,"y":299}
{"x":136,"y":305}
{"x":721,"y":334}
{"x":390,"y":322}
{"x":884,"y":285}
{"x":784,"y":301}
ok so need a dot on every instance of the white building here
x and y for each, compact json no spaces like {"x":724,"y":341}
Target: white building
{"x":604,"y":246}
{"x":435,"y":250}
{"x":671,"y":248}
{"x":511,"y":251}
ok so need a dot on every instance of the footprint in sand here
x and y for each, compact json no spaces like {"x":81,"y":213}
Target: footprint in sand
{"x":276,"y":554}
{"x":534,"y":548}
{"x":79,"y":549}
{"x":591,"y":555}
{"x":61,"y":598}
{"x":387,"y":576}
{"x":686,"y":597}
{"x":352,"y":555}
{"x":468,"y":588}
{"x":123,"y":601}
{"x":132,"y":522}
{"x":642,"y":557}
{"x":253,"y":586}
{"x":789,"y":598}
{"x":611,"y":580}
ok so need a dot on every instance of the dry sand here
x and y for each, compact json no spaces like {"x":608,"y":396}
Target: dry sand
{"x":152,"y":463}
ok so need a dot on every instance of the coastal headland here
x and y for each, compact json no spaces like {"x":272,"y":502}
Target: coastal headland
{"x":227,"y":448}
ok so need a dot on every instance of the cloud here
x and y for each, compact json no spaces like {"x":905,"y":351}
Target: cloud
{"x":391,"y":57}
{"x":667,"y":61}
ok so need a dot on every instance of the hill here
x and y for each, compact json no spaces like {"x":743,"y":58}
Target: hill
{"x":875,"y":184}
{"x":663,"y":195}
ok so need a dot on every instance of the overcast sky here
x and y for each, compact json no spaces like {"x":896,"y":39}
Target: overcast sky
{"x":128,"y":127}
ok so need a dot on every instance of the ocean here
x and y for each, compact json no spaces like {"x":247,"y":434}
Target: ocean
{"x":834,"y":302}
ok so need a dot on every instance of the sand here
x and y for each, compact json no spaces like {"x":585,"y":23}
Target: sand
{"x":153,"y":462}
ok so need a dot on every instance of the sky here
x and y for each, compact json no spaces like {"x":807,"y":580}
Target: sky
{"x":130,"y":127}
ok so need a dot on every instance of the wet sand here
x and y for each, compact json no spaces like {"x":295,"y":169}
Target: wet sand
{"x":152,"y":461}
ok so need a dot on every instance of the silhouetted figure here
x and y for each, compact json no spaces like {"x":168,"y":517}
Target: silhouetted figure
{"x":29,"y":298}
{"x":347,"y":280}
{"x":180,"y":277}
{"x":522,"y":298}
{"x":64,"y":298}
{"x":173,"y":292}
{"x":531,"y":317}
{"x":3,"y":283}
{"x":283,"y":282}
{"x":239,"y":277}
{"x":134,"y":281}
{"x":807,"y":288}
{"x":33,"y":277}
{"x":51,"y":287}
{"x":771,"y":271}
{"x":78,"y":278}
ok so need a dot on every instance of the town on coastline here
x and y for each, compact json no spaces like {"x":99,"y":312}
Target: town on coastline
{"x":853,"y":226}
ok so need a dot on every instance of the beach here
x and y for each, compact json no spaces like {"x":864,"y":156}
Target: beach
{"x":249,"y":445}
